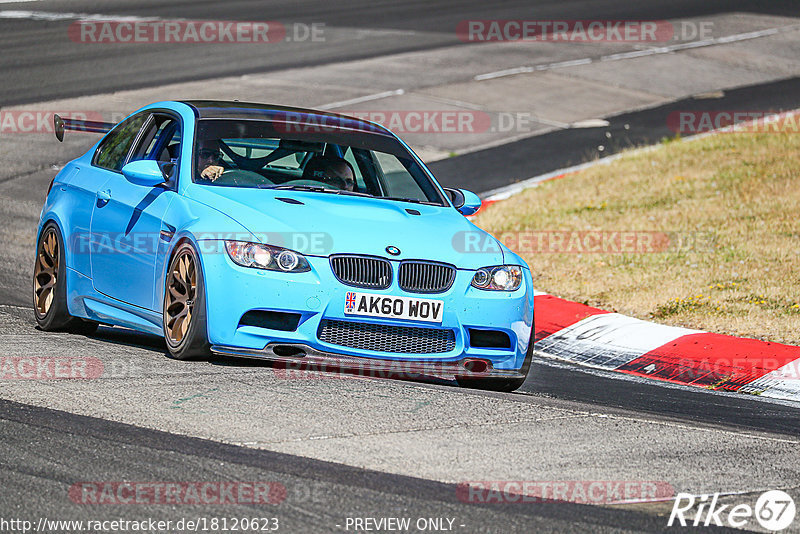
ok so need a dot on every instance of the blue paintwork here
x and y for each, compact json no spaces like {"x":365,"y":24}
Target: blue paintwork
{"x":143,"y":172}
{"x":116,"y":276}
{"x":472,"y":203}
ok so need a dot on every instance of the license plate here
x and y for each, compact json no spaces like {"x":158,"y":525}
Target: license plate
{"x":413,"y":309}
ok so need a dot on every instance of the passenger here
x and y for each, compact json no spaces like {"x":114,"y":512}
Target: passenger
{"x":330,"y":170}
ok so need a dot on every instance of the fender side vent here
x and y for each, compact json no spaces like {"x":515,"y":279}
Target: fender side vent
{"x":274,"y":320}
{"x":489,"y":339}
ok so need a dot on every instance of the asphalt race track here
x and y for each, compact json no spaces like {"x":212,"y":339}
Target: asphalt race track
{"x":317,"y":492}
{"x":39,"y":66}
{"x":548,"y":152}
{"x":343,"y":446}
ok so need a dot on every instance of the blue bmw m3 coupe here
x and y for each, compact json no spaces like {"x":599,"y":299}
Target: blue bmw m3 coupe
{"x":283,"y":234}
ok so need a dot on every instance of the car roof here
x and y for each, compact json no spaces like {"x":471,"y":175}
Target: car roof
{"x":223,"y":109}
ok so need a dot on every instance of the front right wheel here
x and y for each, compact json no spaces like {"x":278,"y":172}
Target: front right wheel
{"x":184,"y":307}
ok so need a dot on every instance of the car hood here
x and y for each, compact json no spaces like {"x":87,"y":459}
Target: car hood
{"x":321,"y":224}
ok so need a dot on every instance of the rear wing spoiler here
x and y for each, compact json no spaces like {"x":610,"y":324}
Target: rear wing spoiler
{"x":60,"y":125}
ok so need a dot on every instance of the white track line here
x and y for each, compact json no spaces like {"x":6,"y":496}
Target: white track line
{"x":639,"y":53}
{"x":56,"y":16}
{"x":360,"y":99}
{"x":14,"y":306}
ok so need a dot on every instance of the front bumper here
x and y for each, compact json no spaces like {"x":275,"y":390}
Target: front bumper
{"x":232,"y":291}
{"x":310,"y":359}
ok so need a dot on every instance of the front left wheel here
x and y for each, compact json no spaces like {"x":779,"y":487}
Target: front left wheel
{"x":185,"y":306}
{"x":50,"y":287}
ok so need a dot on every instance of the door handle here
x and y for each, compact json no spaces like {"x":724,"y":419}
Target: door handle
{"x":104,"y":196}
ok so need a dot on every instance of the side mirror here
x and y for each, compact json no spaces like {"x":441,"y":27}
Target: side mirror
{"x":466,"y":202}
{"x":147,"y":172}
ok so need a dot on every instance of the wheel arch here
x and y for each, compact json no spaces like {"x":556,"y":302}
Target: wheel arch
{"x":175,"y":244}
{"x":56,"y":221}
{"x":180,"y":351}
{"x":53,"y":216}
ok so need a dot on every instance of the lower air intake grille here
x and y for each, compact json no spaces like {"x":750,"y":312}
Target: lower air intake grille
{"x":386,"y":338}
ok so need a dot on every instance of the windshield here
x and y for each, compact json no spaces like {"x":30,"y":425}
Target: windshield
{"x":268,"y":155}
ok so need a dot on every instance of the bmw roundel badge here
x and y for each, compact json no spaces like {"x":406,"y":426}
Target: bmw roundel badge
{"x":394,"y":251}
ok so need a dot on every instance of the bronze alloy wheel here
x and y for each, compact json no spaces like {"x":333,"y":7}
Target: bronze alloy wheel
{"x":45,"y":274}
{"x":180,"y":298}
{"x":50,"y":286}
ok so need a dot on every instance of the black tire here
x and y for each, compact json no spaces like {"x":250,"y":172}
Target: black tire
{"x":50,"y":286}
{"x":183,"y":296}
{"x":506,"y":385}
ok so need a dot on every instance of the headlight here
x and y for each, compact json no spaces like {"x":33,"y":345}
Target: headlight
{"x":498,"y":278}
{"x":267,"y":257}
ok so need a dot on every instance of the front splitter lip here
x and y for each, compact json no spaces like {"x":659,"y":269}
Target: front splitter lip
{"x":316,"y":360}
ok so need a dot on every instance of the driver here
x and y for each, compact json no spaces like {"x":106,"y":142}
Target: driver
{"x":209,"y":157}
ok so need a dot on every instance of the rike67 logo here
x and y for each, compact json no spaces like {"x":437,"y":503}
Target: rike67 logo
{"x":774,"y":510}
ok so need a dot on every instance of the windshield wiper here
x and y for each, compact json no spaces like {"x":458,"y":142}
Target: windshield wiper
{"x":321,"y":189}
{"x":352,"y":193}
{"x":413,"y":200}
{"x":314,"y":188}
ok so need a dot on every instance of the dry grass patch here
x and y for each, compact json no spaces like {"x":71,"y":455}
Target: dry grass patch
{"x":732,"y":200}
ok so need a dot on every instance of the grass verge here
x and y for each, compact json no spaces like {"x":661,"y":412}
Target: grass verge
{"x":702,"y":234}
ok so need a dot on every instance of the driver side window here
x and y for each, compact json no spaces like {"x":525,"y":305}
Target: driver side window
{"x":160,"y":140}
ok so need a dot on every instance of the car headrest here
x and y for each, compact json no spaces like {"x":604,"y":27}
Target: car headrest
{"x":169,"y":153}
